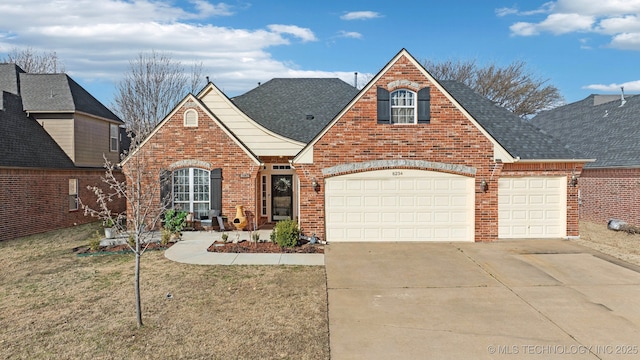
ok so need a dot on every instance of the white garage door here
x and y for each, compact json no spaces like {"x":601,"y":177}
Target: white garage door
{"x":532,"y":207}
{"x":399,"y":205}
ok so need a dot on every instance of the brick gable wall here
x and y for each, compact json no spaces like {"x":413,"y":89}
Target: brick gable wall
{"x":36,"y":201}
{"x":207,"y":146}
{"x":450,"y":138}
{"x":610,"y":193}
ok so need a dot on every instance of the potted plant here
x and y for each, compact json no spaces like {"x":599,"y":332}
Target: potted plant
{"x":109,"y":229}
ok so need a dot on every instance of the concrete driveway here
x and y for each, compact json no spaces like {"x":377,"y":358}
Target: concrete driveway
{"x":533,"y":299}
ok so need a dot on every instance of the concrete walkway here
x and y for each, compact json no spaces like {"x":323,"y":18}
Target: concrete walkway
{"x":192,"y":249}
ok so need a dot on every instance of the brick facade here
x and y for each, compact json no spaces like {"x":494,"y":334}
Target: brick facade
{"x":610,"y":193}
{"x":450,"y":138}
{"x":207,"y":146}
{"x":39,"y":200}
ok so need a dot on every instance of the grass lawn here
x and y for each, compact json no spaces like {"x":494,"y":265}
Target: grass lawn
{"x":54,"y":304}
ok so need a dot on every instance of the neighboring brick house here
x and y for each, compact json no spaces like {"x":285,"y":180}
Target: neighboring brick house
{"x":407,"y":158}
{"x":53,"y":135}
{"x":604,"y":127}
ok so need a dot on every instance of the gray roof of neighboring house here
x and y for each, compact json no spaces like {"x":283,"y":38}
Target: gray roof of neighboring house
{"x":59,"y":93}
{"x":9,"y":78}
{"x":23,"y":142}
{"x":519,"y":137}
{"x":599,"y":127}
{"x":282,"y":105}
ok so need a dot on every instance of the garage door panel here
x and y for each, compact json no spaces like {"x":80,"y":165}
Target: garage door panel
{"x":415,"y":206}
{"x":531,"y":207}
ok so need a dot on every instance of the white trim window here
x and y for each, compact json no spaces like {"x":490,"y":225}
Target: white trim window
{"x":73,"y":194}
{"x":114,"y":132}
{"x":191,"y":118}
{"x":192,"y":191}
{"x":403,"y":107}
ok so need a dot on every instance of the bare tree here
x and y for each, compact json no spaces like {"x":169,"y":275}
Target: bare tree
{"x":152,"y":86}
{"x":35,"y":62}
{"x":512,"y":86}
{"x":138,"y":186}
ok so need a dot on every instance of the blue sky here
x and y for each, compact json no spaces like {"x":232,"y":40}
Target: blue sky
{"x":580,"y":46}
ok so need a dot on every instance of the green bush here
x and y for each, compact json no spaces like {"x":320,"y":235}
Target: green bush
{"x":174,"y":221}
{"x":94,"y":241}
{"x":287,"y":233}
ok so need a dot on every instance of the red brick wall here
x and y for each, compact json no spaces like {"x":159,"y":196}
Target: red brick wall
{"x":610,"y":193}
{"x":34,"y":201}
{"x":206,"y":143}
{"x":450,"y":138}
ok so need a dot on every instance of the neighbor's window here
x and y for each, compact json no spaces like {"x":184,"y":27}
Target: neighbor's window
{"x":73,"y":194}
{"x":190,"y":118}
{"x":113,"y":137}
{"x":403,"y":107}
{"x":191,"y":191}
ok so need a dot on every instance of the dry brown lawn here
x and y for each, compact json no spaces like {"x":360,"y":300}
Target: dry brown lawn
{"x":54,"y":304}
{"x":618,"y":244}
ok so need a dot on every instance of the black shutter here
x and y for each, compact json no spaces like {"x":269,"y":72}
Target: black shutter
{"x":165,"y":188}
{"x":216,"y":189}
{"x":384,"y":111}
{"x":424,"y":106}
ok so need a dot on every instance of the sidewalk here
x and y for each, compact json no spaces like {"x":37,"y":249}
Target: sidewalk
{"x":192,"y":249}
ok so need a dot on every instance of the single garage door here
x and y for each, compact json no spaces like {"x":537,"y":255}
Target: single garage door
{"x":532,"y":207}
{"x":399,"y":205}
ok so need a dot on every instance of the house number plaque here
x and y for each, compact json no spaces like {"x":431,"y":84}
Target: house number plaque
{"x":397,"y":173}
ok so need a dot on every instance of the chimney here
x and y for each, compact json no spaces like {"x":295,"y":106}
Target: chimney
{"x":355,"y":79}
{"x":622,"y":99}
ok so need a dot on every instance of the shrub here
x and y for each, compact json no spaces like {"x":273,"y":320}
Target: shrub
{"x":225,"y":237}
{"x":94,"y":241}
{"x":174,"y":221}
{"x":165,"y":237}
{"x":287,"y":233}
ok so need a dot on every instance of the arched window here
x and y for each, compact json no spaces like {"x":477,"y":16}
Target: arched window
{"x":191,"y":118}
{"x":191,"y":191}
{"x":403,"y":107}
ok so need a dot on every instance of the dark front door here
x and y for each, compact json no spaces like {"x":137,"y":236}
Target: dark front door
{"x":281,"y":197}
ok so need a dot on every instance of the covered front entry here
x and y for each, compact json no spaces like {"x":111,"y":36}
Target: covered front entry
{"x":399,"y":205}
{"x":532,"y":207}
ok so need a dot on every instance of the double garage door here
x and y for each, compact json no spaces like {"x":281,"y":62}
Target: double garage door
{"x":400,"y":205}
{"x":417,"y":205}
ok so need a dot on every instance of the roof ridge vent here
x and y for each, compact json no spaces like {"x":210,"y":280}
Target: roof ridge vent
{"x":622,"y":99}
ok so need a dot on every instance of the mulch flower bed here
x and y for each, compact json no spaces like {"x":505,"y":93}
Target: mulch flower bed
{"x":264,"y":247}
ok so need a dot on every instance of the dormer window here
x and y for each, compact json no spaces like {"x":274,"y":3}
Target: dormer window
{"x":190,"y":118}
{"x":403,"y":107}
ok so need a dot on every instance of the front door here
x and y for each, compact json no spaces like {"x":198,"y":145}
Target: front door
{"x":281,"y":197}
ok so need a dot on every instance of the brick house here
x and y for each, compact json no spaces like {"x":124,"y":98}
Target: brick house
{"x":604,"y":127}
{"x":407,"y":158}
{"x":53,"y":134}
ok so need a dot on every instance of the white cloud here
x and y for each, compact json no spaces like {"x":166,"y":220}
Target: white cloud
{"x":303,"y":33}
{"x":360,"y":15}
{"x":207,"y":9}
{"x":349,"y":34}
{"x":619,"y":19}
{"x":96,"y":39}
{"x":628,"y":86}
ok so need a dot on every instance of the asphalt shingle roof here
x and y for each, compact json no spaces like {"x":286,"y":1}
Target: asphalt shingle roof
{"x":23,"y":142}
{"x":608,"y":132}
{"x":9,"y":75}
{"x":283,"y":105}
{"x":59,"y":93}
{"x":519,"y":137}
